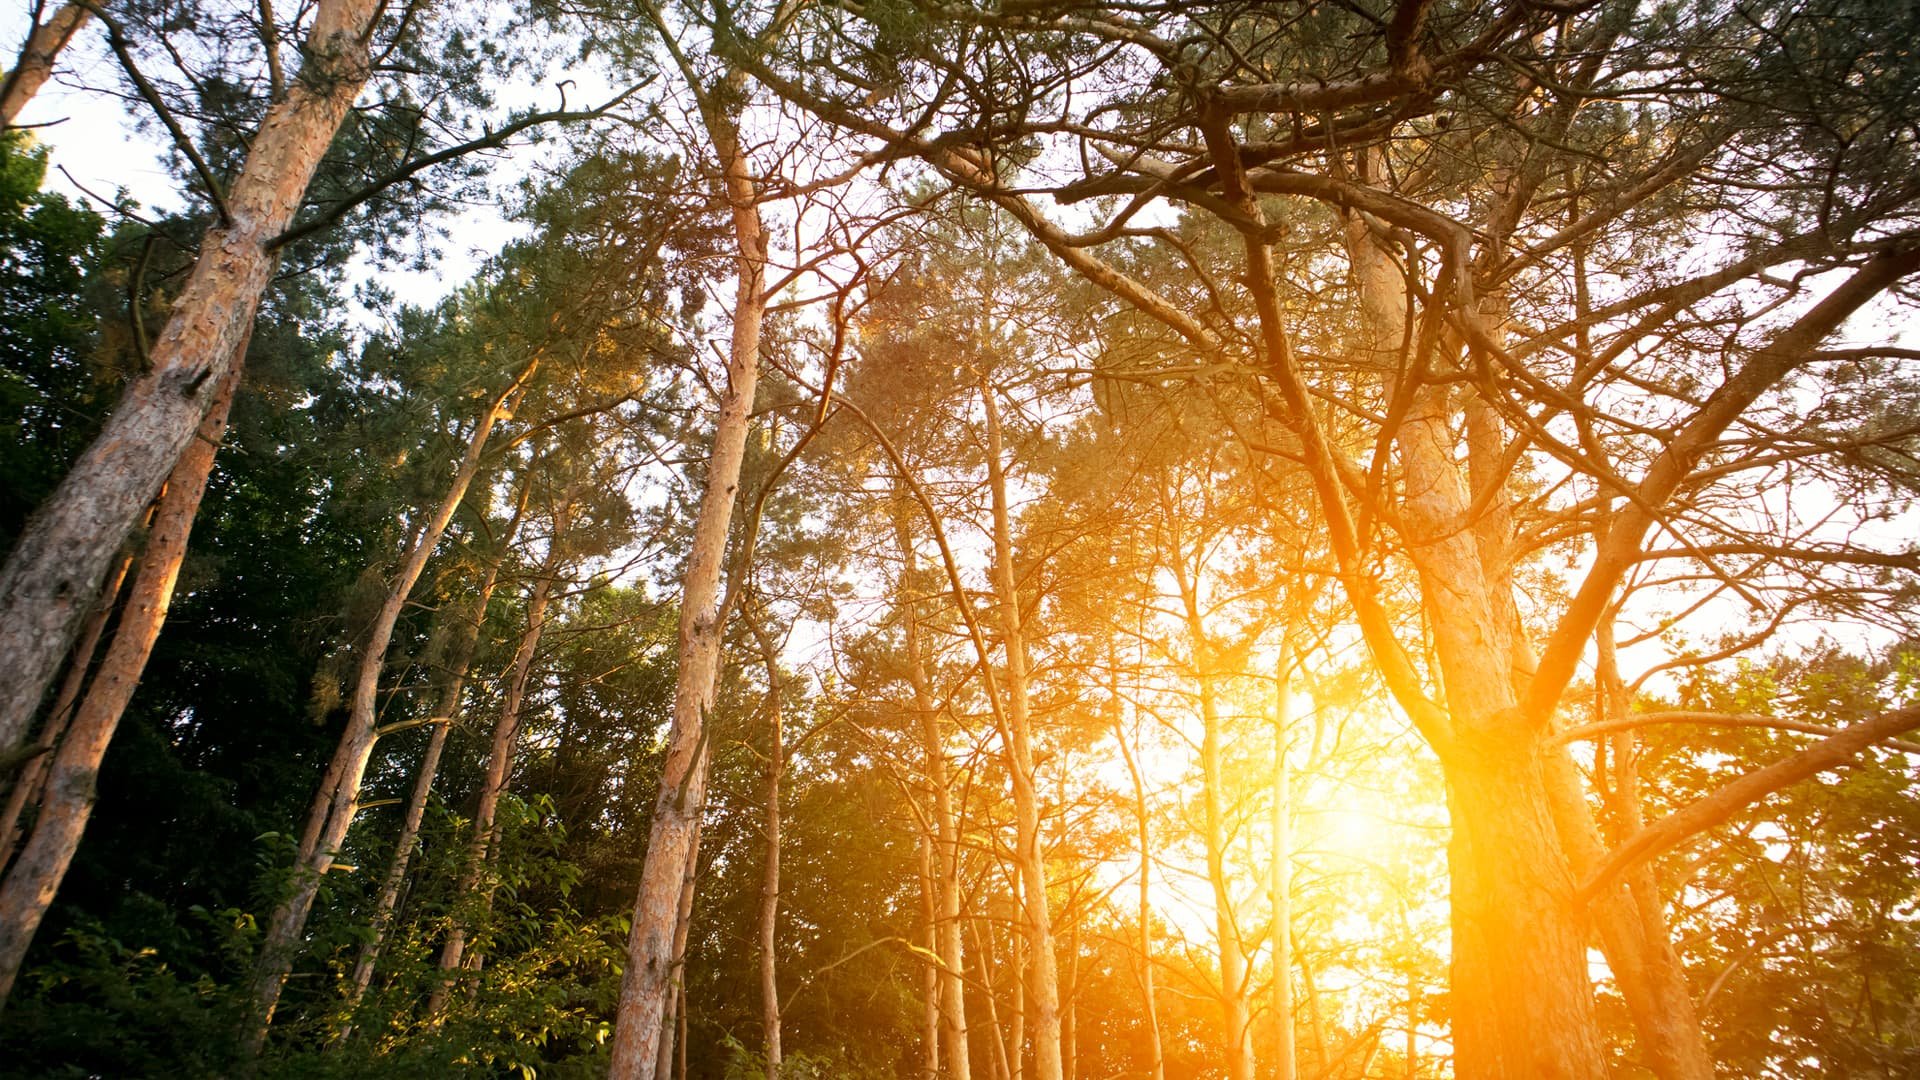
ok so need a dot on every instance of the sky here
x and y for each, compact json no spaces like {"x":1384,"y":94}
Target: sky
{"x":97,"y":150}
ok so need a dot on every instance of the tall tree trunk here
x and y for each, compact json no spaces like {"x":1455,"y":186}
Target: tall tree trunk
{"x":1280,"y":869}
{"x":33,"y":879}
{"x":493,"y":783}
{"x":37,"y":57}
{"x":930,"y":970}
{"x":1638,"y":952}
{"x":1523,"y":998}
{"x":1322,"y":1052}
{"x":933,"y":756}
{"x":1070,"y":1014}
{"x":1158,"y":1067}
{"x":1630,"y":918}
{"x":1002,"y":1066}
{"x":1044,"y":982}
{"x":1235,"y":1010}
{"x":449,"y":707}
{"x":676,"y":1009}
{"x":1413,"y":1024}
{"x":27,"y":787}
{"x":340,"y":786}
{"x":1019,"y":988}
{"x":769,"y":929}
{"x":54,"y":573}
{"x":672,"y":841}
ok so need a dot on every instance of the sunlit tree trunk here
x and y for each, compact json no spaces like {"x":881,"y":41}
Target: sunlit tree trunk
{"x":466,"y":642}
{"x":946,"y":869}
{"x":1413,"y":1024}
{"x":1280,"y":866}
{"x":1019,"y":976}
{"x":27,"y":787}
{"x":930,"y":970}
{"x":675,"y":1036}
{"x":1523,"y":999}
{"x":1149,"y":1005}
{"x":990,"y":996}
{"x":36,"y":61}
{"x":1043,"y":984}
{"x":1322,"y":1051}
{"x":340,"y":786}
{"x":33,"y":879}
{"x":493,"y":783}
{"x":769,"y":922}
{"x":1237,"y":1029}
{"x":54,"y":573}
{"x":1630,"y":919}
{"x":1630,"y":922}
{"x":673,"y":834}
{"x":1069,"y":1014}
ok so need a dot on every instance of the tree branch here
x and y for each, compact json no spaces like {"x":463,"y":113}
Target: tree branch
{"x":1713,"y":719}
{"x":1707,"y":812}
{"x":491,"y":140}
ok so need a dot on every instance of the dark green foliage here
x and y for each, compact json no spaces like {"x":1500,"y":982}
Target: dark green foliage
{"x":51,"y":397}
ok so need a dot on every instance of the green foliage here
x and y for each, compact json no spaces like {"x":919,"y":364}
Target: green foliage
{"x":51,"y":399}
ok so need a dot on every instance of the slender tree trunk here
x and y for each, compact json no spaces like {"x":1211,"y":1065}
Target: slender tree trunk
{"x":493,"y":784}
{"x":1280,"y":869}
{"x":1019,"y":988}
{"x":37,"y":57}
{"x":33,"y":879}
{"x":930,"y":970}
{"x":1158,"y":1068}
{"x":933,"y":754}
{"x":340,"y":787}
{"x":1234,"y":983}
{"x":1235,"y":1011}
{"x":676,"y":1011}
{"x":1322,"y":1053}
{"x":672,"y":844}
{"x":1413,"y":1024}
{"x":1630,"y":920}
{"x":53,"y":575}
{"x":1070,"y":1016}
{"x":770,"y":869}
{"x":983,"y":947}
{"x":449,"y":707}
{"x":1044,"y":982}
{"x":27,"y":787}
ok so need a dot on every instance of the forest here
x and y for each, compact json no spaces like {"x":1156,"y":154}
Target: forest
{"x":960,"y":539}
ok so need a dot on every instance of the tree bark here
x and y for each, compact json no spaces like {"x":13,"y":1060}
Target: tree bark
{"x":1044,"y":980}
{"x":54,"y":574}
{"x":676,"y":1009}
{"x":30,"y":884}
{"x":340,"y":786}
{"x":37,"y":57}
{"x":672,"y":842}
{"x":27,"y":786}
